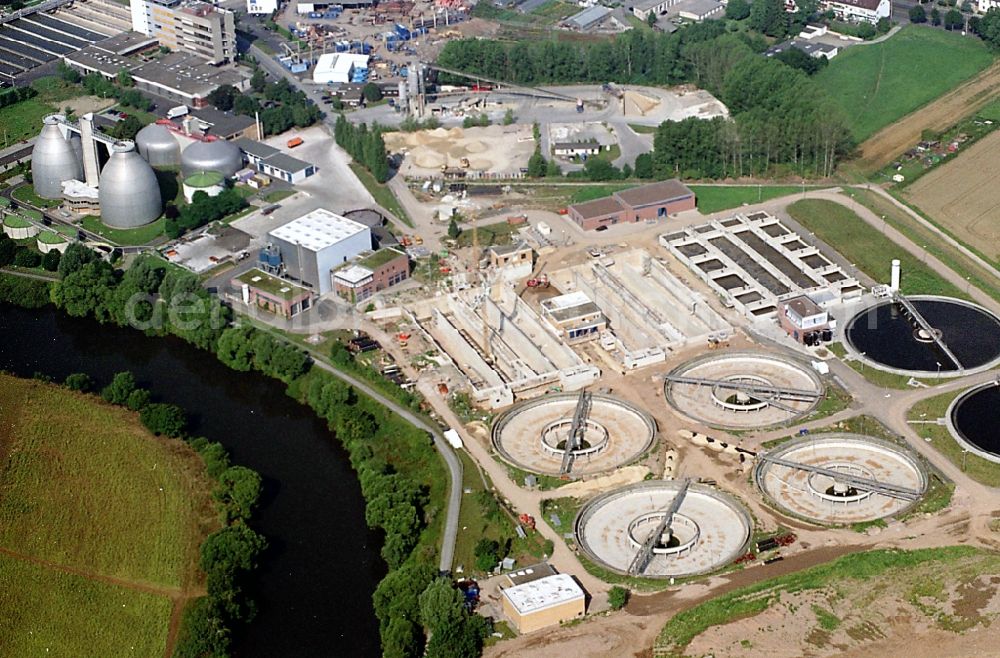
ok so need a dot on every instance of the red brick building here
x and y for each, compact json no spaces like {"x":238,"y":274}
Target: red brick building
{"x":370,"y":274}
{"x":638,"y":204}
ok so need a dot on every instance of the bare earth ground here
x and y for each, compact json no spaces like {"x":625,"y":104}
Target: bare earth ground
{"x":879,"y":149}
{"x":964,"y":194}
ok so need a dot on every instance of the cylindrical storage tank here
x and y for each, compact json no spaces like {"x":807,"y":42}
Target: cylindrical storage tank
{"x":51,"y":241}
{"x":18,"y":228}
{"x":221,"y":156}
{"x":210,"y":182}
{"x":158,"y":146}
{"x":77,"y":144}
{"x":53,"y":160}
{"x":129,"y":193}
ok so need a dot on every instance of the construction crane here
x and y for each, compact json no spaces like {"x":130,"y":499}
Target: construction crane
{"x":645,"y":553}
{"x":576,"y":431}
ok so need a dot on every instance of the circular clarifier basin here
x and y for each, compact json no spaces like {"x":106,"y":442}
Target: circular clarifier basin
{"x":887,"y":337}
{"x":707,"y":531}
{"x":532,"y":435}
{"x":830,"y":489}
{"x":974,"y":418}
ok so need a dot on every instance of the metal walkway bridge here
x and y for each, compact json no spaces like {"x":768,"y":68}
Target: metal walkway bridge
{"x":576,"y":431}
{"x":865,"y":484}
{"x":645,"y":553}
{"x":931,"y":332}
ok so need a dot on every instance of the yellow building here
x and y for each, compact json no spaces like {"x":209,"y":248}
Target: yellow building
{"x":543,"y":602}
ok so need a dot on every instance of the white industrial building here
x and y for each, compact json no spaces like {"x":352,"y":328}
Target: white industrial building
{"x":314,"y":244}
{"x":856,"y":11}
{"x":262,"y":6}
{"x":338,"y":67}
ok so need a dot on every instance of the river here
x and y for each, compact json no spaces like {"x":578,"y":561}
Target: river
{"x":314,"y":592}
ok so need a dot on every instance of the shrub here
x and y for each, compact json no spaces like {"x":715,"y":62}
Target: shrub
{"x":617,"y":597}
{"x":79,"y":381}
{"x":164,"y":419}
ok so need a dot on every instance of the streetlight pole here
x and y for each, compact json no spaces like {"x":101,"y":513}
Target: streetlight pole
{"x":965,"y":457}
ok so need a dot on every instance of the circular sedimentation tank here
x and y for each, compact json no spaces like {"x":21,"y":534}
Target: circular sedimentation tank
{"x":708,"y":530}
{"x":823,"y":495}
{"x":719,"y":405}
{"x":973,"y":419}
{"x":53,"y":160}
{"x":129,"y":192}
{"x":887,"y":337}
{"x":158,"y":146}
{"x":218,"y":155}
{"x":532,"y":435}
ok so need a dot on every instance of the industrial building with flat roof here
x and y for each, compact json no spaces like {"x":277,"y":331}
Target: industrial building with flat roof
{"x":194,"y":26}
{"x":542,"y":602}
{"x":272,"y":162}
{"x":272,"y":294}
{"x":338,"y":67}
{"x":647,"y":202}
{"x":316,"y":243}
{"x":370,"y":274}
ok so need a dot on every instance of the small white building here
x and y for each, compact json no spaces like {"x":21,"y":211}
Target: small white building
{"x":314,"y":244}
{"x":543,"y":602}
{"x":338,"y":67}
{"x":573,"y":149}
{"x":857,"y":11}
{"x":258,"y":7}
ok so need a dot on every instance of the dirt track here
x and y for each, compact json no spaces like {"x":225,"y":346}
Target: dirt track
{"x":879,"y":149}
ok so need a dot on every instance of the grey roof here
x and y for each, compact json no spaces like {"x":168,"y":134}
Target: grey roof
{"x":530,"y":5}
{"x":588,"y":16}
{"x":574,"y":312}
{"x":585,"y":144}
{"x":223,"y":124}
{"x":808,"y":47}
{"x":255,"y":148}
{"x":698,"y":7}
{"x":653,"y":193}
{"x":598,"y":207}
{"x":286,"y":163}
{"x":646,"y":5}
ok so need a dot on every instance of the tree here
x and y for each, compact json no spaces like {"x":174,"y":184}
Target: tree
{"x":440,"y":605}
{"x":917,"y":14}
{"x":119,"y":389}
{"x":234,"y":347}
{"x":508,"y":117}
{"x":487,"y":552}
{"x":125,"y":78}
{"x":138,"y":399}
{"x":372,"y":92}
{"x":223,"y":97}
{"x":536,"y":164}
{"x":79,"y":381}
{"x":737,"y":10}
{"x":203,"y":631}
{"x":935,"y":17}
{"x":769,"y":17}
{"x":883,"y":25}
{"x":617,"y":597}
{"x":231,"y":550}
{"x":644,"y":165}
{"x":27,"y":258}
{"x":796,"y":58}
{"x":599,"y":169}
{"x":258,"y":81}
{"x":76,"y":256}
{"x":8,"y":250}
{"x":453,"y":230}
{"x":953,"y":20}
{"x":246,"y":105}
{"x":126,"y":128}
{"x":239,"y":490}
{"x":50,"y":261}
{"x":651,"y":19}
{"x":164,"y":419}
{"x":402,"y":639}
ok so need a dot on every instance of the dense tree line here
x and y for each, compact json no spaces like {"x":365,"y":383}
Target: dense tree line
{"x":26,"y":293}
{"x":367,"y":147}
{"x":245,"y":348}
{"x":779,"y":117}
{"x":203,"y":209}
{"x":15,"y":95}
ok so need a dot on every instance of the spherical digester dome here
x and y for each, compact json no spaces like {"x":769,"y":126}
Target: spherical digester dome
{"x":158,"y":146}
{"x":129,"y":193}
{"x":53,"y":160}
{"x":220,"y":156}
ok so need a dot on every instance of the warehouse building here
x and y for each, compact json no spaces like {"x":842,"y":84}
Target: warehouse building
{"x":533,"y":603}
{"x":313,"y":245}
{"x":647,"y":202}
{"x":338,"y":67}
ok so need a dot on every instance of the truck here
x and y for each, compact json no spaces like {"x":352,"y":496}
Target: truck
{"x":178,"y":111}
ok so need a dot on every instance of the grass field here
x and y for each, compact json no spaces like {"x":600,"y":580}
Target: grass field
{"x":49,"y":612}
{"x":878,"y":84}
{"x":854,"y":588}
{"x":713,"y":198}
{"x":23,"y":120}
{"x":977,"y":468}
{"x":86,"y":486}
{"x":962,"y":197}
{"x":381,"y":193}
{"x":124,"y":236}
{"x":26,"y":194}
{"x":841,"y":228}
